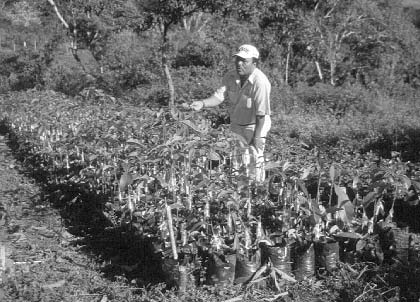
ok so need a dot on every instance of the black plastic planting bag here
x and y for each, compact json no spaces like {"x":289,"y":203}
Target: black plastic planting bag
{"x":221,"y":269}
{"x":170,"y":268}
{"x":280,"y":256}
{"x":245,"y":269}
{"x":304,"y":261}
{"x":401,"y":243}
{"x":347,"y":247}
{"x":326,"y":254}
{"x":414,"y":251}
{"x":178,"y":275}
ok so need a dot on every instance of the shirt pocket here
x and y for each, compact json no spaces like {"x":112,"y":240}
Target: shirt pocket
{"x":248,"y":103}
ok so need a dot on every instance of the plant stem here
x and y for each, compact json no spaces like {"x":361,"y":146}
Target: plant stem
{"x":171,"y":231}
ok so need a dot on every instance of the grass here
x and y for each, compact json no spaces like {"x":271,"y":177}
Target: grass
{"x":378,"y":123}
{"x":411,"y":3}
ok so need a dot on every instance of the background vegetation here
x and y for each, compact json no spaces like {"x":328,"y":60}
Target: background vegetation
{"x":343,"y":72}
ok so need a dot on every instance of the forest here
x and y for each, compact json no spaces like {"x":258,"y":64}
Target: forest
{"x":94,"y":106}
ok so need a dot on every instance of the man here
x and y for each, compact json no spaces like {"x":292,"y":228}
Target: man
{"x":247,"y":90}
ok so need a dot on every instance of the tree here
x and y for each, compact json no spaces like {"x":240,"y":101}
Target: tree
{"x":88,"y":23}
{"x":21,"y":13}
{"x":280,"y":28}
{"x":357,"y":36}
{"x":328,"y":26}
{"x":400,"y":43}
{"x":163,"y":15}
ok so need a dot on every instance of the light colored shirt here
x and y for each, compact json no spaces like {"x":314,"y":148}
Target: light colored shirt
{"x":248,"y":101}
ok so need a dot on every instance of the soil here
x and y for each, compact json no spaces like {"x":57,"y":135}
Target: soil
{"x":40,"y":260}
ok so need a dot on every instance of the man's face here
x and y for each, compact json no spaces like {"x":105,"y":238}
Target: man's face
{"x":244,"y":67}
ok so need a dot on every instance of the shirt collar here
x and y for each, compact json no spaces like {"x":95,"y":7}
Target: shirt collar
{"x":251,"y":78}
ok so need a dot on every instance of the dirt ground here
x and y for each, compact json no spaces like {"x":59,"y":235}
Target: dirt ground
{"x":39,"y":259}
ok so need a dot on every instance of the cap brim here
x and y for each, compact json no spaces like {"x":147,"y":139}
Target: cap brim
{"x":242,"y":55}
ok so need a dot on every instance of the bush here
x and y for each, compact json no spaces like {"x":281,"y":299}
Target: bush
{"x":4,"y":84}
{"x":20,"y":70}
{"x":66,"y":80}
{"x":154,"y":94}
{"x":195,"y":82}
{"x":283,"y":99}
{"x":337,"y":100}
{"x":130,"y":62}
{"x":370,"y":121}
{"x":195,"y":54}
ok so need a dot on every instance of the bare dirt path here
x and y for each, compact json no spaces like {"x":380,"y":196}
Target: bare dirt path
{"x":39,"y":260}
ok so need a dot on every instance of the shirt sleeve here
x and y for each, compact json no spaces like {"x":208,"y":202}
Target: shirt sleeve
{"x":262,"y":98}
{"x":221,"y":92}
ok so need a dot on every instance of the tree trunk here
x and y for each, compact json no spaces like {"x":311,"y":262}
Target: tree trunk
{"x":169,"y":82}
{"x":318,"y":68}
{"x":165,"y":66}
{"x":73,"y":35}
{"x":333,"y":67}
{"x":286,"y":78}
{"x":186,"y":24}
{"x":66,"y":25}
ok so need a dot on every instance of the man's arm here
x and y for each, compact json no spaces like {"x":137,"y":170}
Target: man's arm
{"x":261,"y":121}
{"x":262,"y":107}
{"x":214,"y":100}
{"x":211,"y":101}
{"x":262,"y":126}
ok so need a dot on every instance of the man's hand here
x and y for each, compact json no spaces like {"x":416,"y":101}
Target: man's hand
{"x":258,"y":143}
{"x":197,"y":105}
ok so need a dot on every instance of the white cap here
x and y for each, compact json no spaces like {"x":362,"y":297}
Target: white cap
{"x":247,"y":51}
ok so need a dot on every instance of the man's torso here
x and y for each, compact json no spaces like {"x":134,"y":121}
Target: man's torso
{"x":249,"y":100}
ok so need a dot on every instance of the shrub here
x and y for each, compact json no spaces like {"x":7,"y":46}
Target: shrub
{"x":4,"y":84}
{"x":195,"y":82}
{"x":66,"y":80}
{"x":130,"y":62}
{"x":337,"y":100}
{"x":22,"y":70}
{"x":153,"y":94}
{"x":195,"y":54}
{"x":283,"y":99}
{"x":372,"y":120}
